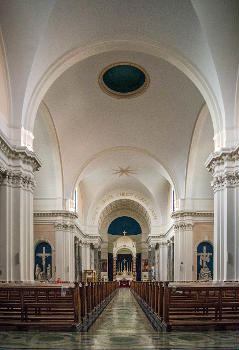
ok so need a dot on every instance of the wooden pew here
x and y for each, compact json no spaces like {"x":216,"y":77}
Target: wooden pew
{"x":189,"y":305}
{"x":52,"y":306}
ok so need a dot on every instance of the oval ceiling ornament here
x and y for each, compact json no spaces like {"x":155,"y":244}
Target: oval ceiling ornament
{"x":124,"y":80}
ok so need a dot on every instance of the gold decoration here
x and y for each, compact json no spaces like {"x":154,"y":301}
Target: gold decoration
{"x":124,"y":233}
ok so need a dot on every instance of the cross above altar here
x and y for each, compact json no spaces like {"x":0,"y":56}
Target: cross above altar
{"x":204,"y":257}
{"x":43,"y":256}
{"x":124,"y":233}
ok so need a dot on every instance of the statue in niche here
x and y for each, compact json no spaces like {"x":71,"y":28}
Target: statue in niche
{"x":205,"y":273}
{"x":48,"y":272}
{"x":37,"y":272}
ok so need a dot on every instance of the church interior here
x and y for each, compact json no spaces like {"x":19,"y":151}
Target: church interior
{"x":119,"y":174}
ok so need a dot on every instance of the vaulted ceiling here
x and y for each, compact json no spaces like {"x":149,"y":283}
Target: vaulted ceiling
{"x":55,"y":51}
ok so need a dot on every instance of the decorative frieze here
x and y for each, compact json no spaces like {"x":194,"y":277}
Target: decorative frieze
{"x":18,"y":179}
{"x":64,"y":226}
{"x":181,"y":214}
{"x":184,"y":220}
{"x":183,"y":226}
{"x":19,"y":153}
{"x":224,"y":167}
{"x":56,"y":213}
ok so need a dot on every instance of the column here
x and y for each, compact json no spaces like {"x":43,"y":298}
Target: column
{"x":224,"y":167}
{"x":134,"y":267}
{"x":152,"y":261}
{"x":99,"y":266}
{"x":163,"y":263}
{"x":76,"y":243}
{"x":17,"y":183}
{"x":83,"y":257}
{"x":157,"y":263}
{"x":96,"y":260}
{"x":170,"y":245}
{"x":183,"y":251}
{"x":114,"y":268}
{"x":65,"y":263}
{"x":87,"y":256}
{"x":92,"y":257}
{"x":80,"y":260}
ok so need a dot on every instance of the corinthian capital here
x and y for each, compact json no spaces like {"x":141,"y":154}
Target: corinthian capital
{"x":224,"y":167}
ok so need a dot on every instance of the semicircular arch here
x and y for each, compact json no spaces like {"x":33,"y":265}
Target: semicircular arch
{"x":70,"y":58}
{"x":124,"y":207}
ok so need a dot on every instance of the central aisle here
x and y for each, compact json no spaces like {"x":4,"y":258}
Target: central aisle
{"x":121,"y":326}
{"x":123,"y":322}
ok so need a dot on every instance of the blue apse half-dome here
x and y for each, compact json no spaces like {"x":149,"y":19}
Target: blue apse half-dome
{"x":124,"y":223}
{"x":124,"y":78}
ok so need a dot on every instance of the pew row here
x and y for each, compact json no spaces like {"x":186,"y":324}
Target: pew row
{"x":53,"y":306}
{"x":189,"y":306}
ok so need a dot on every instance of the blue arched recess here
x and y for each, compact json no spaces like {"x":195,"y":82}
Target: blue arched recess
{"x":205,"y":261}
{"x":124,"y":223}
{"x":43,"y":261}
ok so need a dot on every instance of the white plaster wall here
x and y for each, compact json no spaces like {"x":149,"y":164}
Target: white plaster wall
{"x":48,"y":193}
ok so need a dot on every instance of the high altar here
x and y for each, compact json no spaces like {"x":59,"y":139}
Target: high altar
{"x":124,"y":269}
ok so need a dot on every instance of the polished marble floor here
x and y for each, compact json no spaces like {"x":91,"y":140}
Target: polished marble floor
{"x":122,"y":326}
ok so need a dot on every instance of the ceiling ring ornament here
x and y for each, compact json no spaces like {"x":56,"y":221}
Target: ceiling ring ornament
{"x":132,"y":81}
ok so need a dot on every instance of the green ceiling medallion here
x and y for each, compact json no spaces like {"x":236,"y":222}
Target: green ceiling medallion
{"x":124,"y":79}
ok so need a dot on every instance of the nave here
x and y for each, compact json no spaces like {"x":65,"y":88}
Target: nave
{"x":122,"y":325}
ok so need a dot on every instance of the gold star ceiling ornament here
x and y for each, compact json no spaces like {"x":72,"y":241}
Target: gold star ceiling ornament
{"x":123,"y":171}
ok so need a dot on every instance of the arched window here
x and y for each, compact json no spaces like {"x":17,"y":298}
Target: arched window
{"x":43,"y":261}
{"x":205,"y":261}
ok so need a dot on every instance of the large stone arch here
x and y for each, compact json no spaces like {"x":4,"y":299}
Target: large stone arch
{"x":5,"y":101}
{"x":198,"y":179}
{"x":76,"y":55}
{"x":124,"y":207}
{"x":48,"y":194}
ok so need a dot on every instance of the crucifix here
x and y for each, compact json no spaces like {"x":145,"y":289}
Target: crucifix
{"x":124,"y":233}
{"x":43,"y":256}
{"x":204,"y":257}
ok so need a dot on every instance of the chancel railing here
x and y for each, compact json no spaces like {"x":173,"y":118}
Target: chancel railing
{"x":48,"y":306}
{"x":188,"y":305}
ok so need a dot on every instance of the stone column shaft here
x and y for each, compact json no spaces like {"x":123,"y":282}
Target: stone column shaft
{"x":17,"y":183}
{"x":224,"y":167}
{"x":65,"y":264}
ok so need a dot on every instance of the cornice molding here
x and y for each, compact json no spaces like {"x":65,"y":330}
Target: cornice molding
{"x":224,"y":167}
{"x":19,"y":153}
{"x":64,"y":226}
{"x":220,"y":157}
{"x":56,"y":214}
{"x":182,"y":214}
{"x":183,"y":226}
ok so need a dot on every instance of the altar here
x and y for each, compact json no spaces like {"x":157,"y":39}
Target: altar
{"x":125,"y":275}
{"x":124,"y":259}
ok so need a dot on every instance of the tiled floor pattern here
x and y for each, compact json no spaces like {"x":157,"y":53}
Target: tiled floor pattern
{"x":122,"y":326}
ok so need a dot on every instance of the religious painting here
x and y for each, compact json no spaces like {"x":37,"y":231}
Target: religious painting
{"x":205,"y":261}
{"x":103,"y":265}
{"x":43,"y":261}
{"x":145,"y":265}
